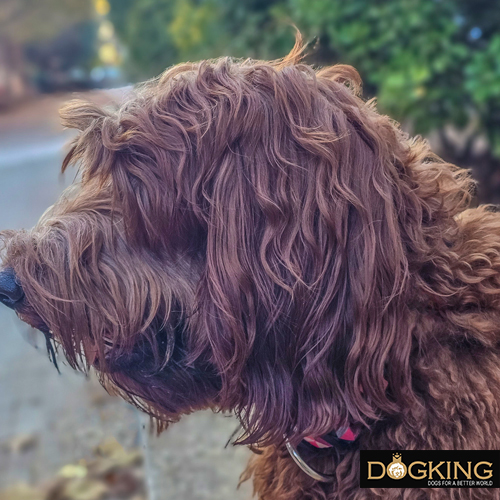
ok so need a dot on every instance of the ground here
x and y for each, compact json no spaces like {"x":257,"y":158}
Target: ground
{"x":47,"y":420}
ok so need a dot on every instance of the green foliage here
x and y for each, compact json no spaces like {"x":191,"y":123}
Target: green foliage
{"x":159,"y":33}
{"x":410,"y":53}
{"x":482,"y":83}
{"x":431,"y":62}
{"x":143,"y":26}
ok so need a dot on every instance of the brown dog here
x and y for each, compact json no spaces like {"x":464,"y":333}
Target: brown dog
{"x":252,"y":236}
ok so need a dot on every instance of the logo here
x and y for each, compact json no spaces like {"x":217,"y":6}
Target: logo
{"x":396,"y":469}
{"x":430,"y":469}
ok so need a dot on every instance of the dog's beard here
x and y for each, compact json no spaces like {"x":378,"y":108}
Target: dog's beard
{"x":158,"y":377}
{"x":108,"y":307}
{"x":154,"y":374}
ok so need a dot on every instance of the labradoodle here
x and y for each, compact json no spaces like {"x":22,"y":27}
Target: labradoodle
{"x":254,"y":237}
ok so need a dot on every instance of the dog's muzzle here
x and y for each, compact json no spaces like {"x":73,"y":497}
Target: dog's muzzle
{"x":11,"y":293}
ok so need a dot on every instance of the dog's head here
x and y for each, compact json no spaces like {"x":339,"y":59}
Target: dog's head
{"x":246,"y":236}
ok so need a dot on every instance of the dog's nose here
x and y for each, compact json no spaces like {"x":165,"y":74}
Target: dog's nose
{"x":11,"y":293}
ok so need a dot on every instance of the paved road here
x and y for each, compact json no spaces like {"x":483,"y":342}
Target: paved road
{"x":49,"y":420}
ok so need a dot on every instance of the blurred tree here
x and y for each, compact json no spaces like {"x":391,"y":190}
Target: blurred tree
{"x":50,"y":39}
{"x":29,"y":20}
{"x":144,"y":27}
{"x":64,"y":61}
{"x":431,"y":63}
{"x":159,"y":33}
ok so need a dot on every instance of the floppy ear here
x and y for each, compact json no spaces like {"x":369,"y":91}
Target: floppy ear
{"x":318,"y":216}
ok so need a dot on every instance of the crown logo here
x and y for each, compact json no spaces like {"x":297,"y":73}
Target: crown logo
{"x":396,"y":469}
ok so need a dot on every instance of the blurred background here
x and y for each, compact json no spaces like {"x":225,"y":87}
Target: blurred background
{"x":434,"y":65}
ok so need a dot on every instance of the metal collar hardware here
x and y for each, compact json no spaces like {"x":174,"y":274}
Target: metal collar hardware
{"x":324,"y":478}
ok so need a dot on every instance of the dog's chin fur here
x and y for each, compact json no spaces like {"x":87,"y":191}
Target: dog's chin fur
{"x":254,"y":237}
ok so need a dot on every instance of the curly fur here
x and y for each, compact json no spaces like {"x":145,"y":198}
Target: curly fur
{"x":252,"y":236}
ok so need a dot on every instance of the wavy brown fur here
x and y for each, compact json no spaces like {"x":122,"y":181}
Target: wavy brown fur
{"x":254,"y":237}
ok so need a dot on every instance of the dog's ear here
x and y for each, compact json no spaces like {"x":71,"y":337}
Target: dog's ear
{"x":317,"y":217}
{"x":303,"y":303}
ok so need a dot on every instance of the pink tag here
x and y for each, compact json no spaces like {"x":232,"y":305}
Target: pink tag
{"x":346,"y":434}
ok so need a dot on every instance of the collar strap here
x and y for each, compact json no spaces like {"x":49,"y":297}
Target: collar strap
{"x":328,"y":440}
{"x":342,"y":434}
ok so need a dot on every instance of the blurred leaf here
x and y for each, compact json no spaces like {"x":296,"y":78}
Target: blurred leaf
{"x":110,"y":448}
{"x":71,"y":471}
{"x":21,"y":492}
{"x":83,"y":489}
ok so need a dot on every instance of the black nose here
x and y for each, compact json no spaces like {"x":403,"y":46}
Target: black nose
{"x":11,"y":293}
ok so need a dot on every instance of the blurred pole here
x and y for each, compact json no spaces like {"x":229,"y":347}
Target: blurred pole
{"x":144,"y":432}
